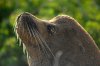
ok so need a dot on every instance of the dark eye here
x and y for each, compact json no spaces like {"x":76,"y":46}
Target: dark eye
{"x":51,"y":29}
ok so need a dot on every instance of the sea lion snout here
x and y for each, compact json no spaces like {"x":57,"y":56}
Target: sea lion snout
{"x":27,"y":19}
{"x":26,"y":27}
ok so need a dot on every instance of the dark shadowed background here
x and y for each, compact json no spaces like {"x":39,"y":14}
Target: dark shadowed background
{"x":86,"y":12}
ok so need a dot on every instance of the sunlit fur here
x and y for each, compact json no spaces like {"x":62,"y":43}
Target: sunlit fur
{"x":68,"y":44}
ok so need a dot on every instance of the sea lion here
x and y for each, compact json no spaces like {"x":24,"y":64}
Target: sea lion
{"x":61,"y":41}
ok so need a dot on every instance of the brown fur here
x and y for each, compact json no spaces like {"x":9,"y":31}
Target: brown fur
{"x":67,"y":43}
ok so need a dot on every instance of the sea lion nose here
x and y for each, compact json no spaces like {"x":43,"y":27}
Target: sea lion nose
{"x":27,"y":18}
{"x":24,"y":17}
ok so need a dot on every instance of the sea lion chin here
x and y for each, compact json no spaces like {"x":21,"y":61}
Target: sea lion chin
{"x":61,"y":41}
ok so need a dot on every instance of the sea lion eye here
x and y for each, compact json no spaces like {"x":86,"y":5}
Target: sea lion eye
{"x":51,"y":29}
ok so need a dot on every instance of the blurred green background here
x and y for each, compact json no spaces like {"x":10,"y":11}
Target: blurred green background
{"x":86,"y":12}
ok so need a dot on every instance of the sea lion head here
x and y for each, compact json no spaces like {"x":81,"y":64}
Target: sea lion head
{"x":27,"y":25}
{"x":44,"y":38}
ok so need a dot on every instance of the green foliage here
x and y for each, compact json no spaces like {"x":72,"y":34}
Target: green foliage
{"x":86,"y":12}
{"x":94,"y":29}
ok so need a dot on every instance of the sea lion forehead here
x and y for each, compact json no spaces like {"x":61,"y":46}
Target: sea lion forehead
{"x":60,"y":19}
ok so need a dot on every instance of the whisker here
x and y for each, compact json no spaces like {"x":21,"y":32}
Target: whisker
{"x":19,"y":42}
{"x":43,"y":49}
{"x":41,"y":43}
{"x":45,"y":43}
{"x":30,"y":33}
{"x":33,"y":33}
{"x":24,"y":48}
